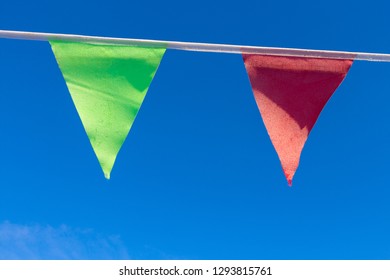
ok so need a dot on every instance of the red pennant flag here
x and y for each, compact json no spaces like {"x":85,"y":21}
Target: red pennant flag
{"x":291,"y":93}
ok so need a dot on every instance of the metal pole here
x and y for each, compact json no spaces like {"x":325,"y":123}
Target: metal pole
{"x":200,"y":47}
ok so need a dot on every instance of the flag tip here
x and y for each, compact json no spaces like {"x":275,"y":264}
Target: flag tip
{"x":107,"y":175}
{"x":289,"y":177}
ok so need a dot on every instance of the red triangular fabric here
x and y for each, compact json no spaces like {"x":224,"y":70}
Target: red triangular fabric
{"x":290,"y":93}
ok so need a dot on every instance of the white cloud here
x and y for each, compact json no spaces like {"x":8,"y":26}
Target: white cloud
{"x":63,"y":242}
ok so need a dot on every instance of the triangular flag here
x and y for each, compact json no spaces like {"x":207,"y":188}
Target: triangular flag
{"x":291,"y":93}
{"x":108,"y":84}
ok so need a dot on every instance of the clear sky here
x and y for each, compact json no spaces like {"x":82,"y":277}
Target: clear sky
{"x":197,"y":177}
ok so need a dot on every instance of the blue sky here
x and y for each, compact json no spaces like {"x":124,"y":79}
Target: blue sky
{"x":197,"y":177}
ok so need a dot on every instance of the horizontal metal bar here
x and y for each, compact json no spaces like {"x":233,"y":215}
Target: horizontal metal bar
{"x":200,"y":47}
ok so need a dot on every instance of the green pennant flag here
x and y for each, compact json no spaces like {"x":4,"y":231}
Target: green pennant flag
{"x":108,"y":84}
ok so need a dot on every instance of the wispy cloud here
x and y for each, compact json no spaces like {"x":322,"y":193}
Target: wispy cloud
{"x":63,"y":242}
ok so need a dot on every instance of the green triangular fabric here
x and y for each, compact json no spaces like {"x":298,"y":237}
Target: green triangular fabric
{"x":108,"y":84}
